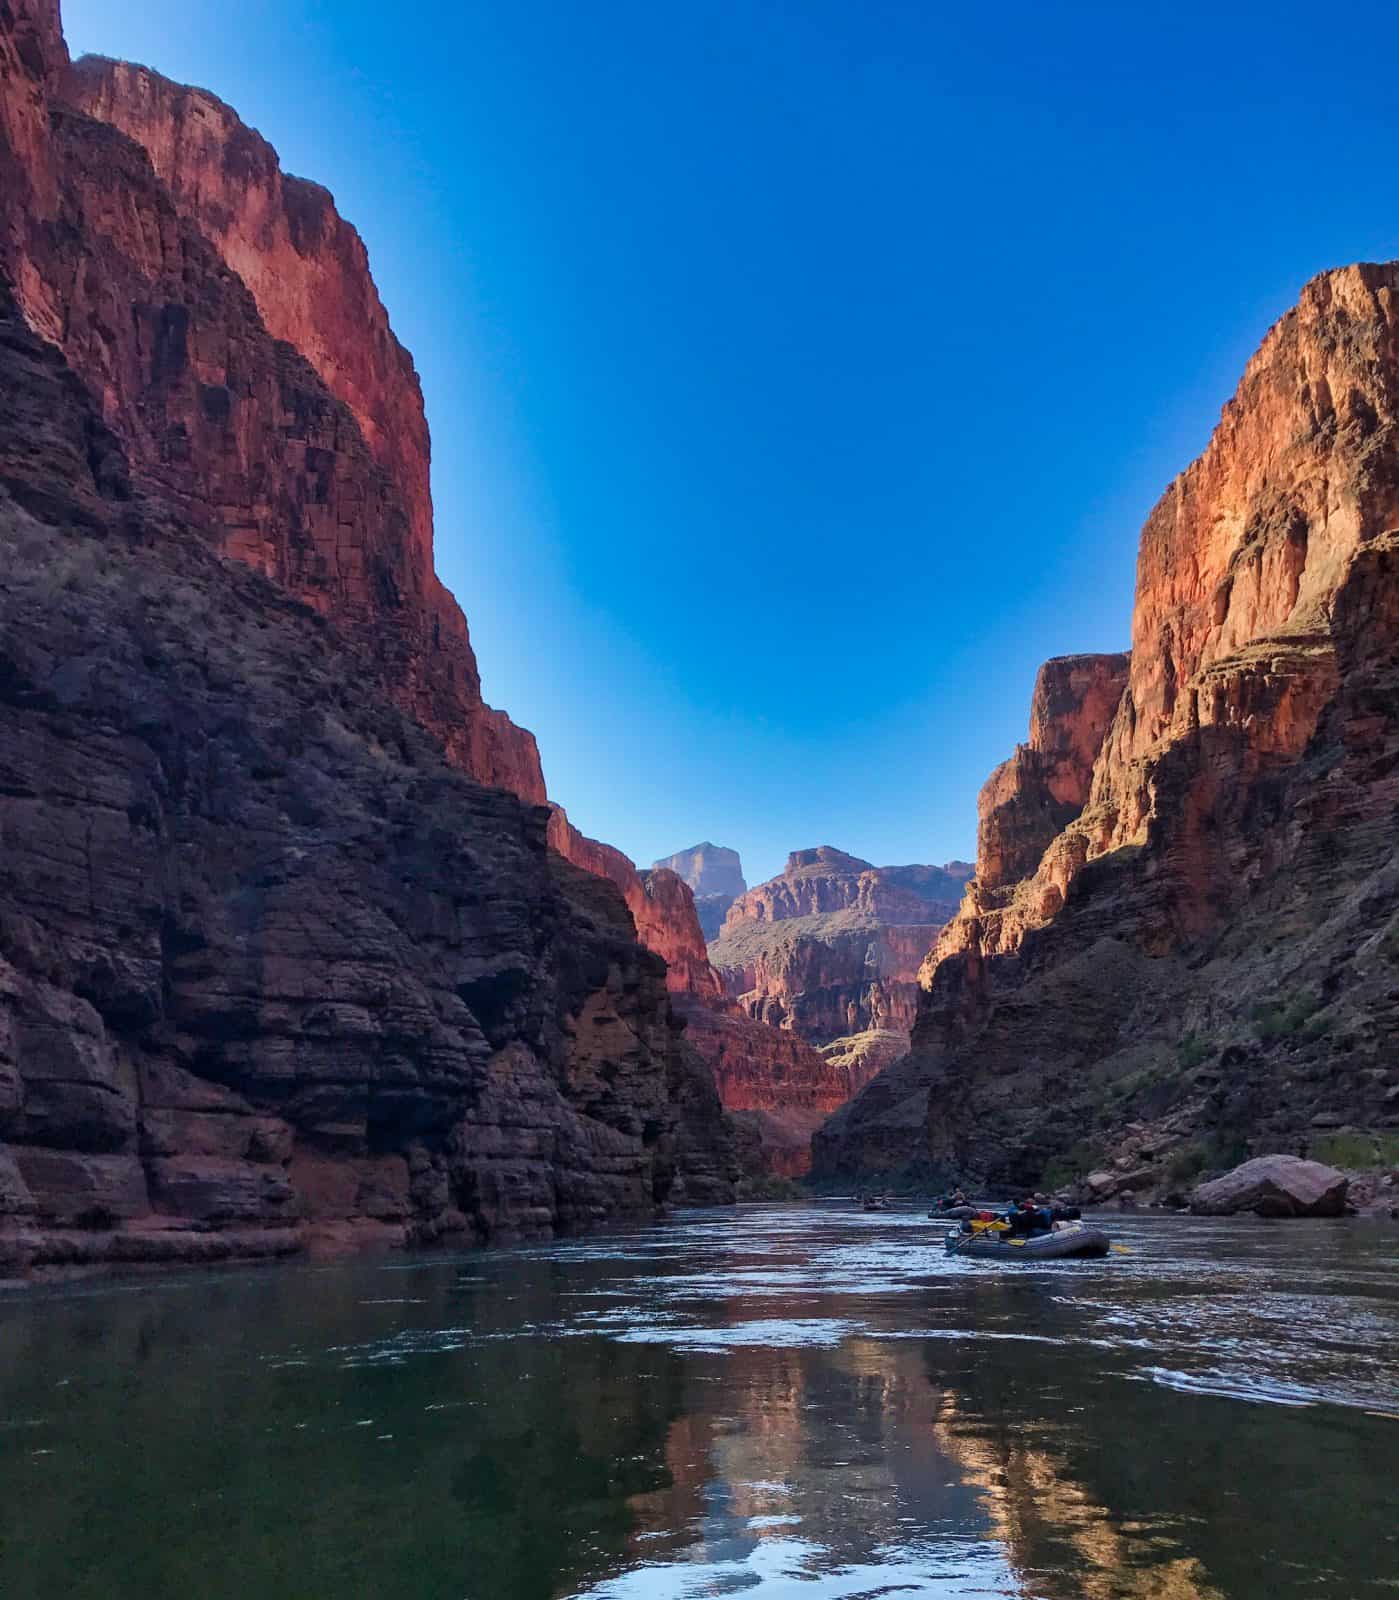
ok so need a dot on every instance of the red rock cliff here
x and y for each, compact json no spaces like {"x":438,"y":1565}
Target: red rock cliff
{"x":1197,"y":958}
{"x":825,"y":879}
{"x":309,"y":277}
{"x":306,"y":266}
{"x":779,"y":1086}
{"x":312,"y":467}
{"x":265,"y":956}
{"x":309,"y":274}
{"x":1029,"y":799}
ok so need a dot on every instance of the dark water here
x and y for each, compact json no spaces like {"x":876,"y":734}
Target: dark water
{"x":794,"y":1402}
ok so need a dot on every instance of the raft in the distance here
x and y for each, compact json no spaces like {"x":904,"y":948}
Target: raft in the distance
{"x":1064,"y":1244}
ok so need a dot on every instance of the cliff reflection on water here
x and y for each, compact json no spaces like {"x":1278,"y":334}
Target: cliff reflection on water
{"x":785,"y":1401}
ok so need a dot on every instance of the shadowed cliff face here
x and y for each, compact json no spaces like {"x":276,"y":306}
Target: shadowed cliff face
{"x":308,"y":273}
{"x":267,"y":959}
{"x":832,"y":947}
{"x":309,"y":464}
{"x":661,"y":906}
{"x":242,"y":433}
{"x":1200,"y":961}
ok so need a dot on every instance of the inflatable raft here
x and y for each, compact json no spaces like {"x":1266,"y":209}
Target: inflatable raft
{"x":1064,"y":1244}
{"x":957,"y":1213}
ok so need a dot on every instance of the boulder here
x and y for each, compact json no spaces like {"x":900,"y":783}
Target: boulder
{"x":1098,"y":1187}
{"x":1274,"y":1186}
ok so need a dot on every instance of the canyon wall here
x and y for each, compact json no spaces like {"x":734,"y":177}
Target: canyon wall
{"x":661,"y":906}
{"x":193,"y":373}
{"x":832,"y":946}
{"x":283,"y":946}
{"x":771,"y":1081}
{"x":308,"y":274}
{"x":1044,"y":786}
{"x":1198,"y":959}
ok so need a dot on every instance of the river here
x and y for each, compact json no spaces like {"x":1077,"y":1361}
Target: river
{"x":797,"y":1402}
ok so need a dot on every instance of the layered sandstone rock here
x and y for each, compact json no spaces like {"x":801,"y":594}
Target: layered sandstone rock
{"x":832,"y":946}
{"x":823,"y":880}
{"x":306,"y":267}
{"x":1028,"y":800}
{"x":715,"y":877}
{"x":266,"y":960}
{"x":771,"y":1078}
{"x":308,"y":273}
{"x":863,"y":1056}
{"x":1204,"y":956}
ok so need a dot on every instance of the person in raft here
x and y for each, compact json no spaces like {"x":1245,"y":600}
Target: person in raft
{"x":1028,"y":1218}
{"x":1019,"y":1221}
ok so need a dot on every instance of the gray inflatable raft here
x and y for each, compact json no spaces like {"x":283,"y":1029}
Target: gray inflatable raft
{"x":1063,"y":1245}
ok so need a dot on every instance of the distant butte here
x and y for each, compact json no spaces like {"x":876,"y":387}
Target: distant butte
{"x":715,"y":878}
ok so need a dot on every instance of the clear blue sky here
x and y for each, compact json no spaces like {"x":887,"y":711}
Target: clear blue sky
{"x":800,"y":374}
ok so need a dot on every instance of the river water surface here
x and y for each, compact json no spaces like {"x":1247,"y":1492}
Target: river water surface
{"x":782,"y":1402}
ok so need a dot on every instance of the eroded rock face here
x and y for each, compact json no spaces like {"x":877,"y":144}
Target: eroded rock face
{"x":864,"y":1055}
{"x":788,"y":1086}
{"x":1203,"y":957}
{"x":245,"y":435}
{"x":832,"y":947}
{"x":824,"y":879}
{"x":305,"y":265}
{"x":267,"y":963}
{"x":1028,"y":800}
{"x":309,"y":464}
{"x":715,"y":877}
